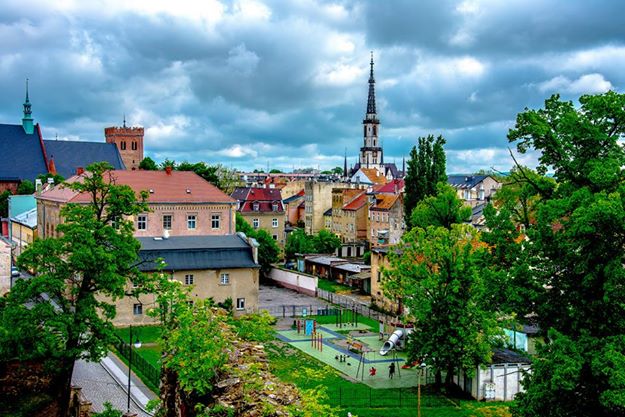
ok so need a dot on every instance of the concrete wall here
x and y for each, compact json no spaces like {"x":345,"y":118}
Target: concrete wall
{"x":500,"y":382}
{"x":22,"y":236}
{"x":303,"y":283}
{"x":206,"y":283}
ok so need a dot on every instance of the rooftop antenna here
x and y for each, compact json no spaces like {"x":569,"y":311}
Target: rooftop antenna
{"x":124,"y":119}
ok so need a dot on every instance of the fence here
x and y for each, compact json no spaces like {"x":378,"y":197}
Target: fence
{"x":347,"y":302}
{"x":365,"y":397}
{"x":152,"y":374}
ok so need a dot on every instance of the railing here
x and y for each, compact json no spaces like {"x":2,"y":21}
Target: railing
{"x":150,"y":372}
{"x":366,"y":397}
{"x":347,"y":302}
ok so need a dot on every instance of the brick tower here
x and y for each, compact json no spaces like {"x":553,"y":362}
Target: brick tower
{"x":129,"y":142}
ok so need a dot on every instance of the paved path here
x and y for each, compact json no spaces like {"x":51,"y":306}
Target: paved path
{"x":271,"y":296}
{"x":107,"y":381}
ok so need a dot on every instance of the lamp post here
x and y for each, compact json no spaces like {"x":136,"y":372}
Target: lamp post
{"x":422,"y":366}
{"x":137,"y":345}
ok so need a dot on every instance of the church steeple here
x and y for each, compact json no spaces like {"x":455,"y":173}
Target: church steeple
{"x":345,"y":165}
{"x":27,"y":120}
{"x":371,"y":98}
{"x":371,"y":151}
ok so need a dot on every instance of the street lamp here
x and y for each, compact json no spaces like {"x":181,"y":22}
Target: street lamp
{"x":137,"y":345}
{"x":422,"y":366}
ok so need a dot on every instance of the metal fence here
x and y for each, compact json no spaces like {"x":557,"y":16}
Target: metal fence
{"x":151,"y":373}
{"x":347,"y":302}
{"x":366,"y":397}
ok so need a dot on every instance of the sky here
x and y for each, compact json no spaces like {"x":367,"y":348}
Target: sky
{"x":283,"y":84}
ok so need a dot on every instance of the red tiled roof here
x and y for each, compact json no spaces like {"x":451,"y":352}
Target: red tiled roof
{"x":176,"y":187}
{"x":265,"y":198}
{"x":390,"y":187}
{"x":357,"y":202}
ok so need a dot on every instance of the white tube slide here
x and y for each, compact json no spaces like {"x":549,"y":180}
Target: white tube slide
{"x":392,"y":341}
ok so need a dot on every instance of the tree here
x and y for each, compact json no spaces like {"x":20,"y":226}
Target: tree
{"x":441,"y":210}
{"x":26,"y":187}
{"x":208,"y":172}
{"x":437,"y":273}
{"x":148,"y":164}
{"x":213,"y":364}
{"x":298,"y":242}
{"x":576,"y":252}
{"x":338,"y":171}
{"x":4,"y":203}
{"x":426,"y":168}
{"x":227,"y":179}
{"x":268,"y":250}
{"x":275,"y":171}
{"x":81,"y":272}
{"x":326,"y":242}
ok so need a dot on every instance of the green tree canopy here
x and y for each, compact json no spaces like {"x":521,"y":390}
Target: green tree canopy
{"x":268,"y":250}
{"x":576,"y":253}
{"x":148,"y":164}
{"x":437,"y":274}
{"x":441,"y":210}
{"x":326,"y":242}
{"x":426,"y":168}
{"x":26,"y":187}
{"x":82,"y":273}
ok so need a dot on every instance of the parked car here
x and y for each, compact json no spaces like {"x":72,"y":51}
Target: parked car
{"x":15,"y":272}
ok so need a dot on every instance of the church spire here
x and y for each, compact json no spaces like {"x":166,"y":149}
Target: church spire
{"x":371,"y":98}
{"x":27,"y":120}
{"x":345,"y":164}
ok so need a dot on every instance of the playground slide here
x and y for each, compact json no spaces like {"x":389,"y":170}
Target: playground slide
{"x":394,"y":340}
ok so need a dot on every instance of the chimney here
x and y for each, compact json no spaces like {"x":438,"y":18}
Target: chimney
{"x":52,"y":166}
{"x":80,"y":171}
{"x":38,"y":186}
{"x":50,"y":181}
{"x":168,"y":169}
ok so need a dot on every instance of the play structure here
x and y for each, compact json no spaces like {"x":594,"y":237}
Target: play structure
{"x":397,"y":341}
{"x":346,"y":317}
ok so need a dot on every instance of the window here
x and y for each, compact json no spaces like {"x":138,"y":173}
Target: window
{"x":240,"y":303}
{"x":191,"y":221}
{"x":215,"y":221}
{"x":364,"y":131}
{"x":134,"y":146}
{"x":274,"y":223}
{"x":224,"y":279}
{"x":142,"y":222}
{"x":123,"y":146}
{"x":274,"y":206}
{"x":375,"y":130}
{"x":167,"y":221}
{"x":255,"y":206}
{"x":137,"y":309}
{"x":255,"y":223}
{"x":275,"y":237}
{"x":188,"y":279}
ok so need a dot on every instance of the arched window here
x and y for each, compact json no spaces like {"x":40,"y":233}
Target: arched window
{"x":134,"y":146}
{"x":122,"y":146}
{"x":375,"y":130}
{"x":364,"y":131}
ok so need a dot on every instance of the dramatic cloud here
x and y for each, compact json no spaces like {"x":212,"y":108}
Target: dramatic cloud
{"x":258,"y":83}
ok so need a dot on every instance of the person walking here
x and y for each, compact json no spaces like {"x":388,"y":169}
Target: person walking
{"x":391,"y":370}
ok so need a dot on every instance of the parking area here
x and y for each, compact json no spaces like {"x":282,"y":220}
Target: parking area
{"x":270,"y":297}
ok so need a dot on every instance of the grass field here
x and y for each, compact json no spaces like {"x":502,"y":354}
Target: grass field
{"x":332,"y":286}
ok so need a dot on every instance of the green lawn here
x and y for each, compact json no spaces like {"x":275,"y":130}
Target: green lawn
{"x":332,"y":286}
{"x":293,"y":366}
{"x":146,"y":334}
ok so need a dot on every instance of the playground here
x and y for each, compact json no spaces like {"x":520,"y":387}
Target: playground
{"x":355,"y":348}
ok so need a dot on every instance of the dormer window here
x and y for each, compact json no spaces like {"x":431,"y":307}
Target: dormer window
{"x":274,"y":206}
{"x":255,"y":206}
